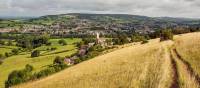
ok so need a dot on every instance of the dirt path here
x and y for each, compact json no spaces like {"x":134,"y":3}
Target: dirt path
{"x":187,"y":66}
{"x":184,"y":76}
{"x":175,"y":82}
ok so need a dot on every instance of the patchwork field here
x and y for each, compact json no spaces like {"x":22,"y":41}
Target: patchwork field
{"x":19,"y":61}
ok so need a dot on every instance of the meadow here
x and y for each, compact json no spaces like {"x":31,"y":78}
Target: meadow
{"x":46,"y":58}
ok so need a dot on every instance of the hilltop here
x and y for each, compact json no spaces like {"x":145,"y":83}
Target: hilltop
{"x":168,"y":64}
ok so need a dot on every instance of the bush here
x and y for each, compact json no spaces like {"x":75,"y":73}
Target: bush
{"x":78,"y":60}
{"x":144,"y":41}
{"x":15,"y":51}
{"x":35,"y":53}
{"x":45,"y":72}
{"x":20,"y":76}
{"x":9,"y":43}
{"x":2,"y":42}
{"x":7,"y":54}
{"x":166,"y":35}
{"x":53,"y":48}
{"x":62,"y":42}
{"x":58,"y":60}
{"x":48,"y":43}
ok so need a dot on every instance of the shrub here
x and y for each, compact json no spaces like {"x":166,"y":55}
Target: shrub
{"x":48,"y":43}
{"x":20,"y":76}
{"x":53,"y":48}
{"x":62,"y":42}
{"x":15,"y":51}
{"x":45,"y":72}
{"x":166,"y":35}
{"x":58,"y":60}
{"x":9,"y":43}
{"x":144,"y":41}
{"x":78,"y":60}
{"x":7,"y":54}
{"x":35,"y":53}
{"x":2,"y":42}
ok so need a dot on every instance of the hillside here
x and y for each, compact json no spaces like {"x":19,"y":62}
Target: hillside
{"x":46,"y":58}
{"x":154,"y":65}
{"x":80,"y":23}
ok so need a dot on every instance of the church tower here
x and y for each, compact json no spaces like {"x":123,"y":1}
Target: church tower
{"x":97,"y":38}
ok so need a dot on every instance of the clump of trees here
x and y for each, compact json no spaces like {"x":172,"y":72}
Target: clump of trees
{"x":166,"y":35}
{"x":19,"y":76}
{"x":121,"y":39}
{"x":35,"y":53}
{"x":26,"y":74}
{"x":31,"y":42}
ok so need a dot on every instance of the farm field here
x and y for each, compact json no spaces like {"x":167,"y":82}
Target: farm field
{"x":168,"y":64}
{"x":19,"y":61}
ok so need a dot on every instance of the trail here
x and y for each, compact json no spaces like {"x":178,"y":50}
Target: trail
{"x":187,"y":66}
{"x":175,"y":82}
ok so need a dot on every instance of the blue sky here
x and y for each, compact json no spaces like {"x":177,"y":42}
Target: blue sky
{"x":155,"y":8}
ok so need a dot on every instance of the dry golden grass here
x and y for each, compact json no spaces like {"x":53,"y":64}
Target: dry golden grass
{"x":186,"y":80}
{"x":138,"y":66}
{"x":188,"y":46}
{"x":135,"y":66}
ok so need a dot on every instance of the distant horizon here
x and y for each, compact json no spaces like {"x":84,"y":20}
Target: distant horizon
{"x":15,"y":17}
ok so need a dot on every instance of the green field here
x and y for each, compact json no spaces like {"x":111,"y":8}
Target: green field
{"x":4,"y":49}
{"x":19,"y":61}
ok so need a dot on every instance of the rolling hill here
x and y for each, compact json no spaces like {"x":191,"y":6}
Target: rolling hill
{"x":168,"y":64}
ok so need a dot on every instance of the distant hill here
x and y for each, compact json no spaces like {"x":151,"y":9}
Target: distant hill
{"x":112,"y":22}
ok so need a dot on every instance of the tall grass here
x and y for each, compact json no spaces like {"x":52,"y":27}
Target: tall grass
{"x":188,"y":46}
{"x":138,"y":66}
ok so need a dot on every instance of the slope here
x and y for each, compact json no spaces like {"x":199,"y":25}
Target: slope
{"x":169,"y":64}
{"x":136,"y":66}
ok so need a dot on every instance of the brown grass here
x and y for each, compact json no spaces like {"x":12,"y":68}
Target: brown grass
{"x":135,"y":66}
{"x":138,"y":66}
{"x":188,"y":46}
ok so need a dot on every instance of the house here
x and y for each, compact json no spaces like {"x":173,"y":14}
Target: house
{"x":69,"y":61}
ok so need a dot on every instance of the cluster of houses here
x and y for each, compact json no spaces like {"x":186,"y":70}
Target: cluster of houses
{"x":84,"y":49}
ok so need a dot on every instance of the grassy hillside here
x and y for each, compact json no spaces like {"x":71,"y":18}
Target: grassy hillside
{"x":19,"y":61}
{"x":169,"y":64}
{"x":136,"y":66}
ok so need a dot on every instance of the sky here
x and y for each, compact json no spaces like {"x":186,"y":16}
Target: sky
{"x":152,"y":8}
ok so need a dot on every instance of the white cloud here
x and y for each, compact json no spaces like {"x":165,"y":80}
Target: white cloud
{"x":175,"y":8}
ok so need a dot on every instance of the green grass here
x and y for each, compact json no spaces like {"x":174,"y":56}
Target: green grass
{"x":4,"y":49}
{"x":19,"y":61}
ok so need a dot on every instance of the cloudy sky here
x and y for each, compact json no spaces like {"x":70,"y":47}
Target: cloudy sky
{"x":155,"y":8}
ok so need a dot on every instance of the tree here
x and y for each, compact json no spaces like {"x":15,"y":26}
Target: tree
{"x":19,"y":76}
{"x":35,"y":53}
{"x":15,"y":51}
{"x":9,"y":43}
{"x":58,"y":60}
{"x":62,"y":42}
{"x":2,"y":42}
{"x":166,"y":35}
{"x":7,"y":54}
